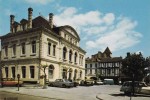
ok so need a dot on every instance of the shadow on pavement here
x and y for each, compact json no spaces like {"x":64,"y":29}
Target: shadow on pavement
{"x":136,"y":95}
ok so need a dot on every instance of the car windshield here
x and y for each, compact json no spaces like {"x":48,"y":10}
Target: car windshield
{"x":66,"y":80}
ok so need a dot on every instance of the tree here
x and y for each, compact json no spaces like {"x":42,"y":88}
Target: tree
{"x":133,"y":66}
{"x":43,"y":68}
{"x":2,"y":65}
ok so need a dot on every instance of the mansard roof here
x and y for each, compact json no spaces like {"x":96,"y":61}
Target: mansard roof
{"x":24,"y":21}
{"x":40,"y":21}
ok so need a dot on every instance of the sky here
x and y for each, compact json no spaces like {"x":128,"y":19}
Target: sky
{"x":121,"y":25}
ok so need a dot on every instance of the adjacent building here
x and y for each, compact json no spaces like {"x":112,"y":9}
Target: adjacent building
{"x":103,"y":65}
{"x":35,"y":43}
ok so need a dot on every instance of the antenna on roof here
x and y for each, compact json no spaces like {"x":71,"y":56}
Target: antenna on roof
{"x":40,"y":13}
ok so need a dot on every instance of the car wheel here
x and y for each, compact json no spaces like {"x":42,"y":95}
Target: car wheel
{"x":64,"y":86}
{"x":127,"y":93}
{"x":51,"y":85}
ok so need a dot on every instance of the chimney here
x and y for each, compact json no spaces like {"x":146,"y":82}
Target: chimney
{"x":128,"y":54}
{"x":51,"y":20}
{"x":30,"y":17}
{"x":11,"y":23}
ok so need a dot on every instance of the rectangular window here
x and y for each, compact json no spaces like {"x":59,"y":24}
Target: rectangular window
{"x":31,"y":71}
{"x":85,"y":71}
{"x":90,"y":69}
{"x":14,"y":50}
{"x":6,"y":51}
{"x":23,"y":48}
{"x":54,"y":50}
{"x":23,"y":72}
{"x":108,"y":71}
{"x":49,"y":48}
{"x":6,"y":72}
{"x":13,"y":72}
{"x":33,"y":46}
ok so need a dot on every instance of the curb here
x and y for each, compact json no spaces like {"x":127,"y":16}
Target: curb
{"x":98,"y":97}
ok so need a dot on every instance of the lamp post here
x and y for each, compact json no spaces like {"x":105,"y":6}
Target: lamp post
{"x":18,"y":76}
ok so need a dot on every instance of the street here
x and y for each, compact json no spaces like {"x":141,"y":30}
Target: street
{"x":104,"y":92}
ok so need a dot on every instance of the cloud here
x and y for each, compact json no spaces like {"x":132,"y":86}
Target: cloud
{"x":38,"y":1}
{"x":99,"y":30}
{"x":138,"y":52}
{"x":121,"y":37}
{"x":71,"y":17}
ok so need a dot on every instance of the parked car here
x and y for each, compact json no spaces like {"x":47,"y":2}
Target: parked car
{"x":127,"y":87}
{"x":98,"y":82}
{"x":61,"y":83}
{"x":11,"y":82}
{"x":75,"y":83}
{"x":87,"y":82}
{"x":78,"y":81}
{"x":109,"y":81}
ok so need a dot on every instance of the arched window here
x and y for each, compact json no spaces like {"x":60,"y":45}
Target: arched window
{"x":64,"y":52}
{"x":70,"y":74}
{"x":75,"y":74}
{"x":70,"y":55}
{"x":80,"y":74}
{"x":51,"y":71}
{"x":64,"y":74}
{"x":33,"y":46}
{"x":75,"y":57}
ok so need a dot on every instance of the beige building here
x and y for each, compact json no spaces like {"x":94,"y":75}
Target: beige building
{"x":35,"y":43}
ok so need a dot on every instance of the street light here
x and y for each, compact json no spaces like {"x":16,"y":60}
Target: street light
{"x":18,"y":76}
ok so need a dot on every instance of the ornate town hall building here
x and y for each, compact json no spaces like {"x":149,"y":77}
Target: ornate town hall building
{"x":35,"y":43}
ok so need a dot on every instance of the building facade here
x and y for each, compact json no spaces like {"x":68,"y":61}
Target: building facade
{"x":36,"y":43}
{"x":103,"y":65}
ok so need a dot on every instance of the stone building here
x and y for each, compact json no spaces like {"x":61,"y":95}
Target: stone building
{"x":103,"y":65}
{"x":33,"y":44}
